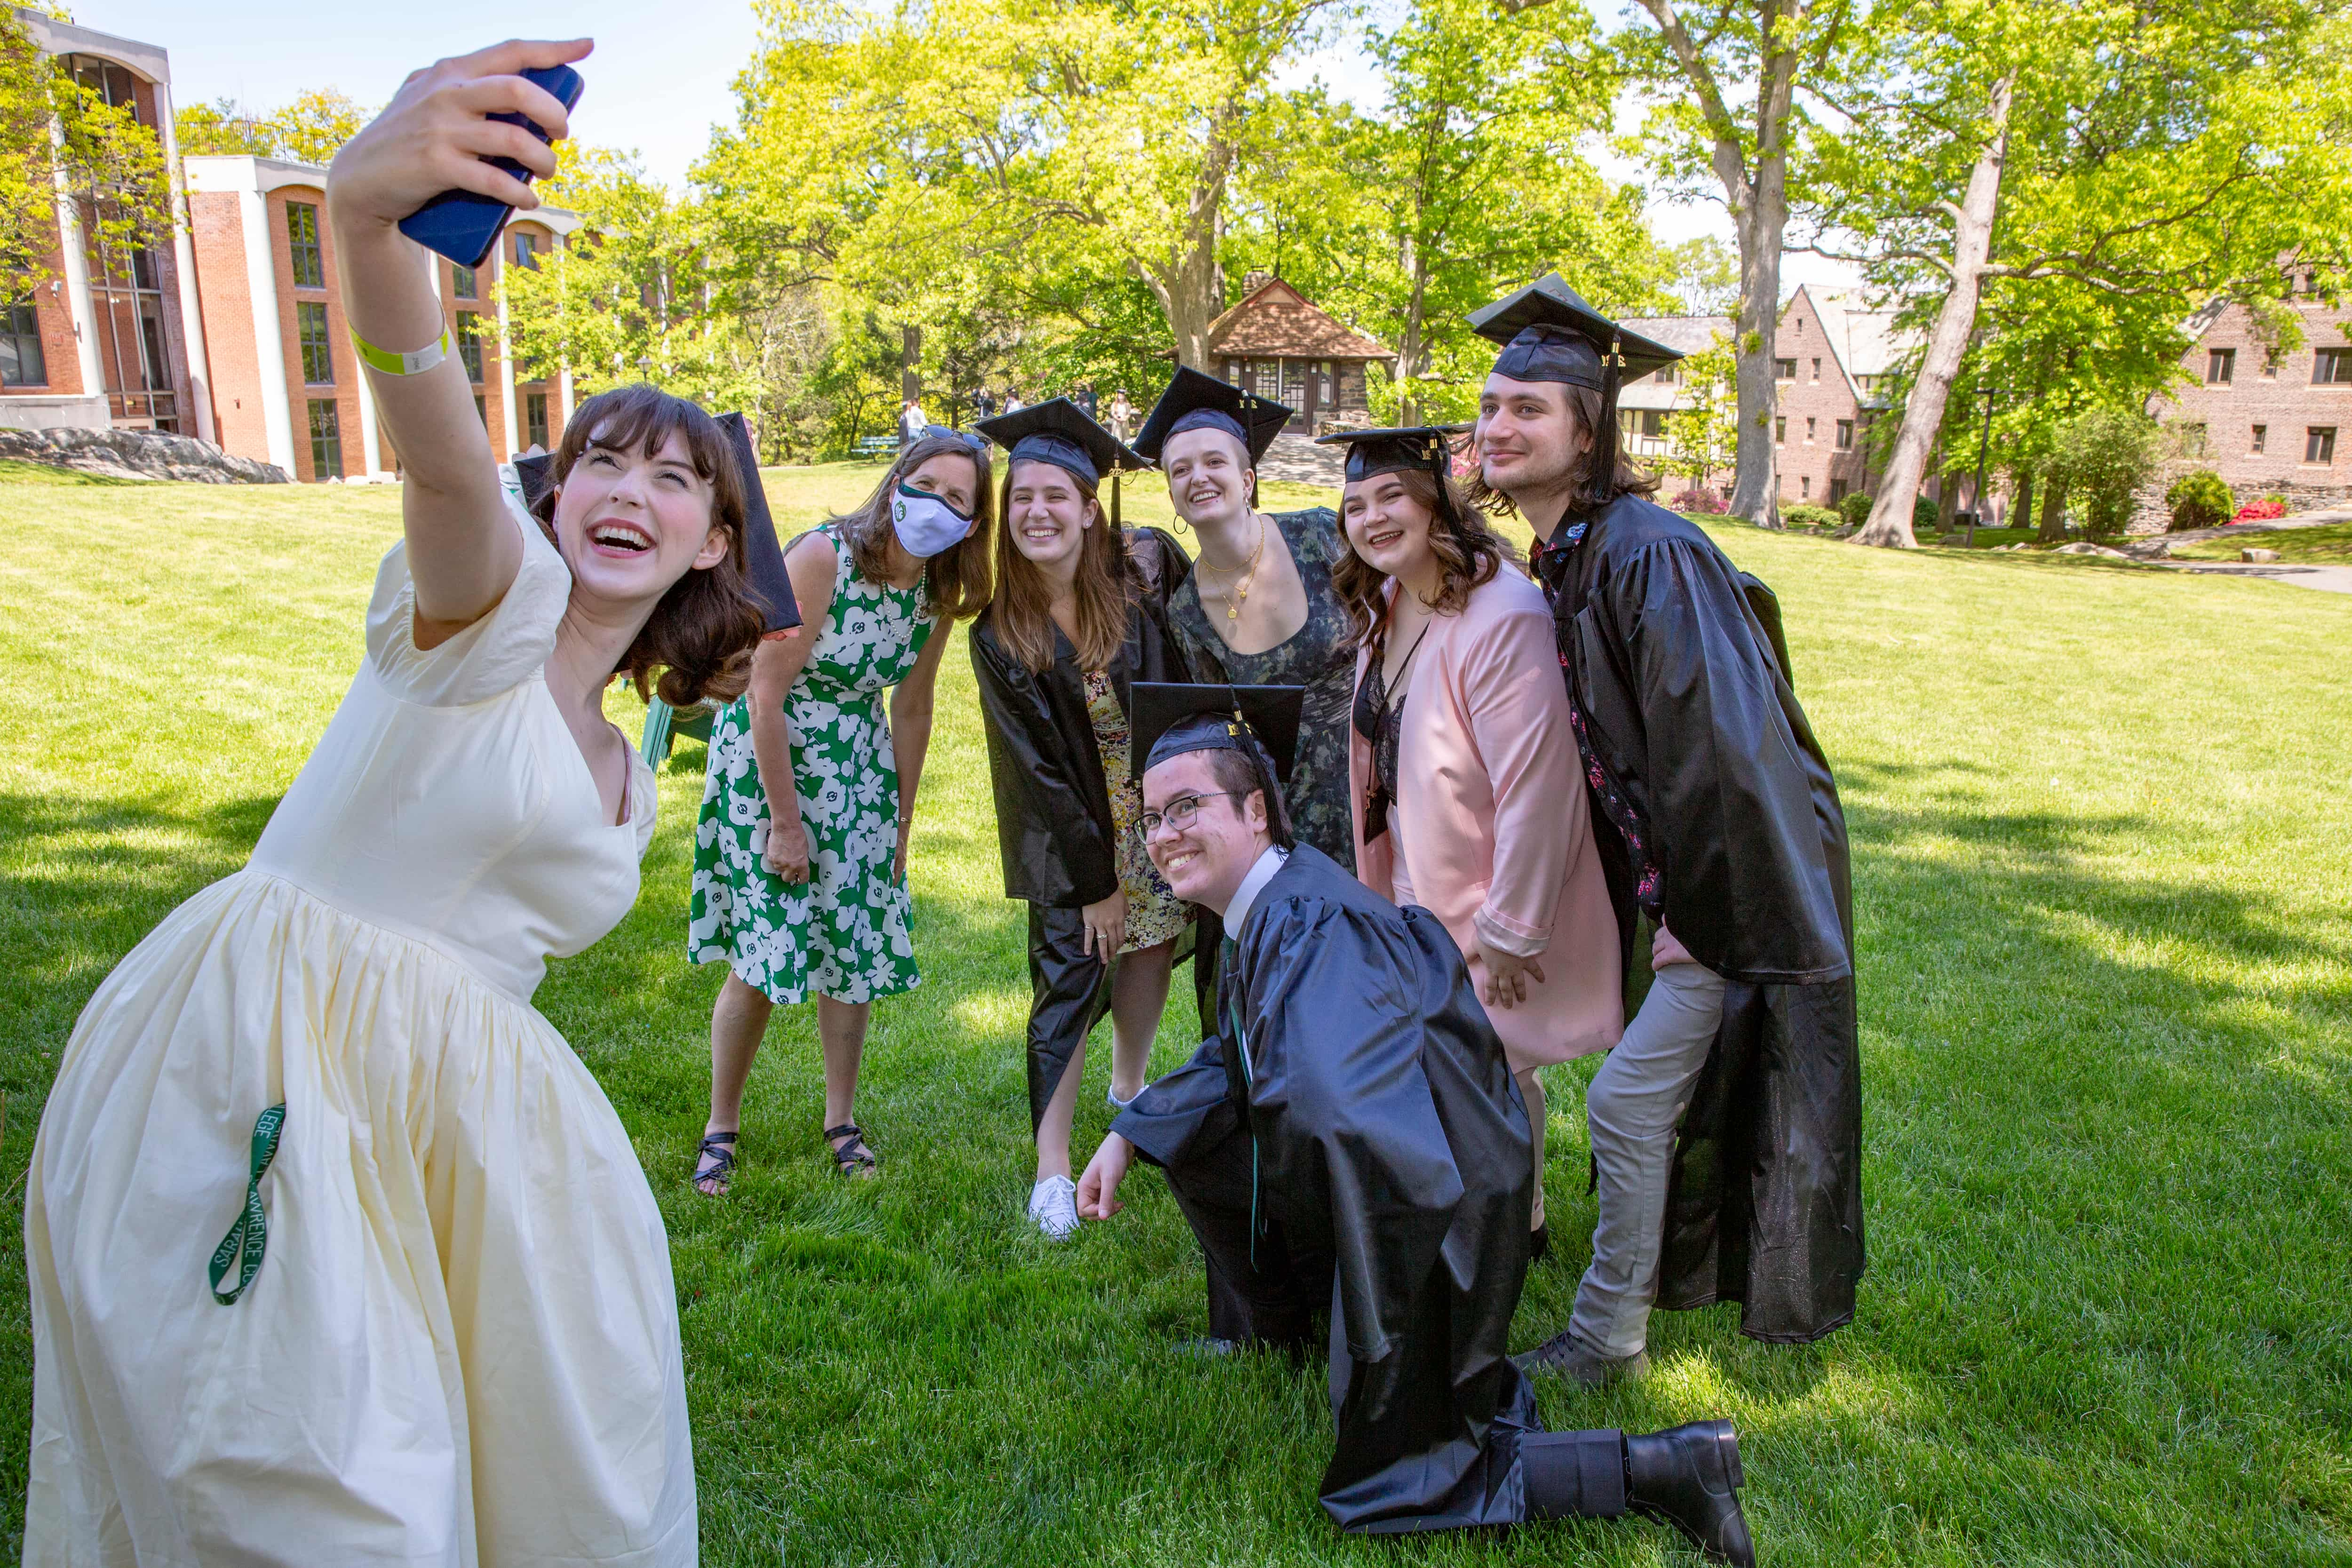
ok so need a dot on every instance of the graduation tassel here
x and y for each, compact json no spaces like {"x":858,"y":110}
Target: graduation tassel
{"x":1604,"y":440}
{"x":1114,"y":500}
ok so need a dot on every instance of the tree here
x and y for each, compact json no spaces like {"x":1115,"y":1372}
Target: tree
{"x":1703,"y":435}
{"x":1721,"y":52}
{"x":1705,"y":276}
{"x":2102,"y":457}
{"x":310,"y":130}
{"x":58,"y":133}
{"x":2112,"y":160}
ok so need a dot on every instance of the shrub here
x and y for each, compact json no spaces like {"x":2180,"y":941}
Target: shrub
{"x":1924,"y":518}
{"x":2199,"y":499}
{"x":1812,"y":517}
{"x":2261,"y":510}
{"x":1698,"y":500}
{"x":1854,"y":509}
{"x":2103,"y":457}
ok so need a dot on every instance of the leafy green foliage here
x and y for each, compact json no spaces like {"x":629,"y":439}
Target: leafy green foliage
{"x":1703,"y":433}
{"x":1810,"y":517}
{"x":2199,"y":499}
{"x":311,"y":129}
{"x":112,"y":165}
{"x":2103,"y":457}
{"x":1854,"y":508}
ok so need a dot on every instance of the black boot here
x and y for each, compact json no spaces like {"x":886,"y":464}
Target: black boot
{"x":1689,"y":1477}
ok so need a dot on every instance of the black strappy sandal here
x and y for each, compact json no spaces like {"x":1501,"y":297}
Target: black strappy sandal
{"x":851,"y":1158}
{"x":720,"y":1147}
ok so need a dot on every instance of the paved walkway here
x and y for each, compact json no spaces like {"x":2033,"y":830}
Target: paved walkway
{"x":2154,"y":547}
{"x":1295,"y":459}
{"x":2327,"y":579}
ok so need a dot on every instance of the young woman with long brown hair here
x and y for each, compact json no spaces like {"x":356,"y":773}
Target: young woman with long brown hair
{"x":800,"y":860}
{"x":442,"y":1327}
{"x":1462,"y":765}
{"x":1079,"y":616}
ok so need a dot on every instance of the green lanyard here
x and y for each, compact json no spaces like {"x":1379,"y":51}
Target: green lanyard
{"x":251,"y":1234}
{"x":1226,"y":963}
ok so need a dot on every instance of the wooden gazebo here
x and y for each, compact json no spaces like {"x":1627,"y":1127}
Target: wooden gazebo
{"x":1274,"y":342}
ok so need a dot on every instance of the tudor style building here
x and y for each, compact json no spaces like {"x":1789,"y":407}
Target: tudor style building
{"x":1835,"y":357}
{"x":1276,"y":343}
{"x":2267,"y":420}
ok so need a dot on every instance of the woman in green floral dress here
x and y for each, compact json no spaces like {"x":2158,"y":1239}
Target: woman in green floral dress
{"x":814,"y":898}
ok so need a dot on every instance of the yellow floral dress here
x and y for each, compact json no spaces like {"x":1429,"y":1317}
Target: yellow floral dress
{"x":1154,"y":914}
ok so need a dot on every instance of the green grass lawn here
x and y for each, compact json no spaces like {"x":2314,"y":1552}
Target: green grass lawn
{"x":2329,"y":544}
{"x":2106,"y":993}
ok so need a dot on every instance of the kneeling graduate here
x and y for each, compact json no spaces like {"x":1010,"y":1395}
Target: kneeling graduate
{"x":1350,"y":1139}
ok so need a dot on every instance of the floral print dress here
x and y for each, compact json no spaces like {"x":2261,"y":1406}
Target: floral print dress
{"x":1320,"y":656}
{"x":1154,"y":914}
{"x":848,"y":932}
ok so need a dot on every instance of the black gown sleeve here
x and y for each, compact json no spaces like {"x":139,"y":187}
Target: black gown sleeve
{"x":1348,"y":1127}
{"x":1730,"y":773}
{"x":1048,"y":833}
{"x":1176,"y":1110}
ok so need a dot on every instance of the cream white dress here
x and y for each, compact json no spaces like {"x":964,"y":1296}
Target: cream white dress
{"x":461,"y":1347}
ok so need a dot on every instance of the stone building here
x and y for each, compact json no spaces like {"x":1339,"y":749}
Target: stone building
{"x":285,"y":385}
{"x":1274,"y":343}
{"x":2269,"y":421}
{"x":112,"y":339}
{"x":1835,"y":357}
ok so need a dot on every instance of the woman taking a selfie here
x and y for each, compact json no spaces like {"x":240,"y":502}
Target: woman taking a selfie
{"x":442,"y":1328}
{"x":800,"y":858}
{"x":1462,"y":764}
{"x":1078,"y":618}
{"x":1257,"y":608}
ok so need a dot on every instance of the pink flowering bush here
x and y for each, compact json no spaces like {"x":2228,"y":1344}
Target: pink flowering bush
{"x":1696,"y":500}
{"x":2259,"y":511}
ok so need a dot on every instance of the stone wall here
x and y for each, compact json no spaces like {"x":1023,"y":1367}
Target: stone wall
{"x":137,"y":455}
{"x":2150,"y":516}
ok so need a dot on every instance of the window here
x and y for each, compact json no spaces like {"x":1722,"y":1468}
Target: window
{"x":1780,"y":429}
{"x":1669,"y":376}
{"x":469,"y":343}
{"x":462,"y":283}
{"x":1805,"y":487}
{"x":318,"y":353}
{"x":526,"y":250}
{"x":2262,"y":439}
{"x":1817,"y":372}
{"x":302,"y":243}
{"x":2270,"y":367}
{"x":482,"y":410}
{"x":326,"y":440}
{"x":2329,"y":366}
{"x":534,"y":419}
{"x":2319,"y":444}
{"x":1810,"y":425}
{"x":2194,"y":438}
{"x":20,"y":347}
{"x":1837,"y":491}
{"x":1784,"y":370}
{"x":1845,"y":435}
{"x":2221,"y":365}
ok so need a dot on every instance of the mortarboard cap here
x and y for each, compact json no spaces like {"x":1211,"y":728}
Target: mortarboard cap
{"x":1196,"y":401}
{"x":1373,"y":452}
{"x":1549,"y":334}
{"x":1171,"y":719}
{"x":1059,"y":432}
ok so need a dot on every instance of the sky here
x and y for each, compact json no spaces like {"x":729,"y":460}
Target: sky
{"x":662,"y":75}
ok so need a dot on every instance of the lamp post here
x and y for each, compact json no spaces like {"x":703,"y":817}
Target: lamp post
{"x":1984,"y":449}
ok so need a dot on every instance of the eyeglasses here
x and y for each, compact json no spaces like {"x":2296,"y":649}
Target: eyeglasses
{"x":1179,"y":812}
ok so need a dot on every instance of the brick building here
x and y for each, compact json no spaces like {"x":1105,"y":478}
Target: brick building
{"x":112,"y":339}
{"x":1833,"y":359}
{"x":2268,"y":422}
{"x":286,"y":387}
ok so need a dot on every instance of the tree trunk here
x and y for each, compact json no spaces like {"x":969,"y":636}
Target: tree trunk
{"x":1923,"y":413}
{"x":1412,"y":342}
{"x":2054,"y":513}
{"x":2021,"y":515}
{"x":1185,"y":283}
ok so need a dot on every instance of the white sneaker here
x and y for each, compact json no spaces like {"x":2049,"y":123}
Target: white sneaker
{"x":1054,"y":1206}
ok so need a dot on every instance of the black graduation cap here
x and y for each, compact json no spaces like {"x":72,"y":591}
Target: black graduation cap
{"x":1170,"y":718}
{"x":1549,"y":334}
{"x":764,"y":553}
{"x":1059,"y":432}
{"x":1196,"y":401}
{"x":1388,"y":452}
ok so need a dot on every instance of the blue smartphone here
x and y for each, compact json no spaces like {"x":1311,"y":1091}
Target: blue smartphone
{"x":463,"y":225}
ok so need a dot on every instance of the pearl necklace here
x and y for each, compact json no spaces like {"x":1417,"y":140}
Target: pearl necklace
{"x":1240,"y":592}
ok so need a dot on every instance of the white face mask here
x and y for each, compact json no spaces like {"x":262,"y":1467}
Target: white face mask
{"x":925,"y":524}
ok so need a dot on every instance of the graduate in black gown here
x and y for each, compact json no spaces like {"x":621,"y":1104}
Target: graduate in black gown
{"x":1078,"y":614}
{"x":1350,"y":1142}
{"x":1726,"y":1126}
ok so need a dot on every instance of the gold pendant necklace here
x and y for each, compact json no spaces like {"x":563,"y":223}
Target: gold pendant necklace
{"x":1235,"y":596}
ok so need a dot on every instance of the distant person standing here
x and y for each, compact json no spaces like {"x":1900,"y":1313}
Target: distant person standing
{"x":1085,"y":398}
{"x":912,"y":422}
{"x":1013,"y":402}
{"x":1122,"y":414}
{"x":984,"y":406}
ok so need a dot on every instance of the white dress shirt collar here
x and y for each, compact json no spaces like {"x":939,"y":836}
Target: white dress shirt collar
{"x":1237,"y":913}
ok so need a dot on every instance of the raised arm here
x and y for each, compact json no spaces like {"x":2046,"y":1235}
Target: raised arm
{"x":463,"y":550}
